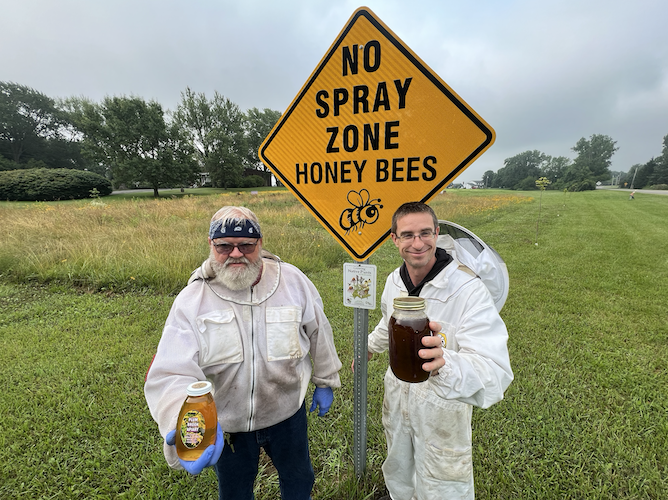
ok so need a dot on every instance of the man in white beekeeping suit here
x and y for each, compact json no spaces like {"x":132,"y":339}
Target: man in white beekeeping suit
{"x":428,"y":424}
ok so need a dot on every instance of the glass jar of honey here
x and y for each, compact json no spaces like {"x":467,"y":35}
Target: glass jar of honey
{"x":197,"y":423}
{"x":408,"y":324}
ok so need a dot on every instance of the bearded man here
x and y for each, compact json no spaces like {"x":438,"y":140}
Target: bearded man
{"x":255,"y":327}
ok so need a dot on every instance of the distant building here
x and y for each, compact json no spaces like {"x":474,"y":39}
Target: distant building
{"x":204,"y":178}
{"x":474,"y":185}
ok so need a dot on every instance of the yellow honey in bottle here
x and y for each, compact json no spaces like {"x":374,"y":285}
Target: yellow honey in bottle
{"x":197,"y":423}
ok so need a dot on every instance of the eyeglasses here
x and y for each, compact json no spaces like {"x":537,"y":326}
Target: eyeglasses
{"x":423,"y":235}
{"x":227,"y":249}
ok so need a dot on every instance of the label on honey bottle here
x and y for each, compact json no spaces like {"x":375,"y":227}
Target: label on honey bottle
{"x":192,"y":429}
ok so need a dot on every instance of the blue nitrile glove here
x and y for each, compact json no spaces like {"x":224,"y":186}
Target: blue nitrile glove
{"x":322,"y":397}
{"x":208,"y":458}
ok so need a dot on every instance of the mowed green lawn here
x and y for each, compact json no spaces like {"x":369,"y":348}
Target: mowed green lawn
{"x":84,"y":295}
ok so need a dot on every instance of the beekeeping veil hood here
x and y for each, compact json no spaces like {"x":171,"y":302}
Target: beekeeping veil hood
{"x":478,"y":256}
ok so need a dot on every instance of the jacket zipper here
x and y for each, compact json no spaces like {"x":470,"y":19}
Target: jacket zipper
{"x":252,"y":353}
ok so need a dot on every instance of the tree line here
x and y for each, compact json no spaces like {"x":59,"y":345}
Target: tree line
{"x":653,"y":174}
{"x":134,"y":142}
{"x":590,"y":167}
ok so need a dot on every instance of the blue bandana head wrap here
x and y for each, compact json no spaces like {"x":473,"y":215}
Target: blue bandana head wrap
{"x":234,"y":228}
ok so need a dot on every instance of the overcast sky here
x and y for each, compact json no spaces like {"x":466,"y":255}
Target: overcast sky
{"x":542,"y":73}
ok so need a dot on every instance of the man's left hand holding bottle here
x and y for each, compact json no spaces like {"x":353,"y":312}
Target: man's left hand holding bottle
{"x":209,"y":456}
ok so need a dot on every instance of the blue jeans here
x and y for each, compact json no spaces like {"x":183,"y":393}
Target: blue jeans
{"x":286,"y":443}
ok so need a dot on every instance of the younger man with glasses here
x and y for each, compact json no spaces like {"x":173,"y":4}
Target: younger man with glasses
{"x":255,"y":327}
{"x":428,"y":424}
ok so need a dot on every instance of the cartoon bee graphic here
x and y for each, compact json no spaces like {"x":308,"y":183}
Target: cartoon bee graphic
{"x":364,"y":211}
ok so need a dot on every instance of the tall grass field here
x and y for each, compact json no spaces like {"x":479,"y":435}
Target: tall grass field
{"x":85,"y":288}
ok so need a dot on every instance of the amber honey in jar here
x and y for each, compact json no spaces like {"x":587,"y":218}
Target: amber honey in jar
{"x":408,"y":324}
{"x":197,"y":423}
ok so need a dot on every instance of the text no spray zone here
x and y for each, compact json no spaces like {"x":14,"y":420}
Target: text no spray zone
{"x":372,"y":128}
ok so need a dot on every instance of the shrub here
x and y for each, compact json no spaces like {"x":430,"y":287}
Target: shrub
{"x":527,"y":184}
{"x":659,"y":187}
{"x":43,"y":184}
{"x":252,"y":181}
{"x":7,"y":164}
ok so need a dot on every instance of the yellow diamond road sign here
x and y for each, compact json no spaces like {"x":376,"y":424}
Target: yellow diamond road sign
{"x":372,"y":128}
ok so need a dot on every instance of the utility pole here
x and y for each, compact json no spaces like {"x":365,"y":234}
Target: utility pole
{"x":634,"y":176}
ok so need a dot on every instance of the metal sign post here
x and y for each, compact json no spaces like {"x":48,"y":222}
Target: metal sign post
{"x":359,"y":291}
{"x":361,"y":362}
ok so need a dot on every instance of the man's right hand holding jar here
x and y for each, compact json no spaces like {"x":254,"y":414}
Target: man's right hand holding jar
{"x":434,"y":346}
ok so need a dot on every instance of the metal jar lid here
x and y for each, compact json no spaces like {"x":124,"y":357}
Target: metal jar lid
{"x":409,"y":303}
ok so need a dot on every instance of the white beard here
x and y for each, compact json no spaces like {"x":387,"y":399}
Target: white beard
{"x":236,"y":278}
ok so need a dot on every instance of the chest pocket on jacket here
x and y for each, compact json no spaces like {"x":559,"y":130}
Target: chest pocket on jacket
{"x":220,"y":340}
{"x":283,"y":333}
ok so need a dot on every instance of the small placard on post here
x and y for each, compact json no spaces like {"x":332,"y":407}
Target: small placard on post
{"x":359,"y":285}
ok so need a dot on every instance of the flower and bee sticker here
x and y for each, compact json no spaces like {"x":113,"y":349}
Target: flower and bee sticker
{"x":192,"y":429}
{"x":359,"y":285}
